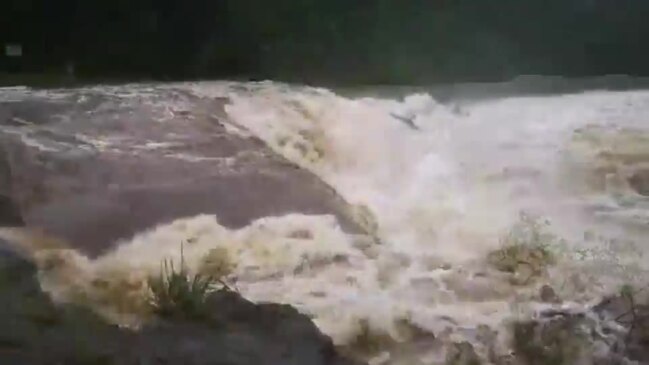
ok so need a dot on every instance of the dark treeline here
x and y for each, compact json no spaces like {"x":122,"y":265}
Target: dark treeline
{"x":370,"y":41}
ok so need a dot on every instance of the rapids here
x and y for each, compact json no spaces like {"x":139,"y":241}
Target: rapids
{"x":439,"y":186}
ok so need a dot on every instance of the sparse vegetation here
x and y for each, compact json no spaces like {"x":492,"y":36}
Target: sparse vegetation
{"x":509,"y":258}
{"x":179,"y":294}
{"x":525,"y":250}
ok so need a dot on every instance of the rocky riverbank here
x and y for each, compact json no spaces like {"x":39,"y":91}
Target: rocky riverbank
{"x":235,"y":331}
{"x":86,"y":168}
{"x":615,"y":331}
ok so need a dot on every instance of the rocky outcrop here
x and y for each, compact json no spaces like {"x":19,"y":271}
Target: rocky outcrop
{"x":92,"y":166}
{"x":34,"y":331}
{"x":614,"y":332}
{"x":630,"y":311}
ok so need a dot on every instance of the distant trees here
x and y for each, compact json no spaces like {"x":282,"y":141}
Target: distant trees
{"x":414,"y":41}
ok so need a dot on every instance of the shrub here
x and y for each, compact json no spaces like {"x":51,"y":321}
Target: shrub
{"x":525,"y":249}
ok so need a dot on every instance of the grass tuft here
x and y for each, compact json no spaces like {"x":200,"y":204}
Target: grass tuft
{"x":179,"y":294}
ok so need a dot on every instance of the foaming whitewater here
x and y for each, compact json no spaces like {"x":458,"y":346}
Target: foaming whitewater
{"x":452,"y":186}
{"x":445,"y":183}
{"x":438,"y":187}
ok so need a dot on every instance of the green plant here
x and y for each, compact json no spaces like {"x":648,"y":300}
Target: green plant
{"x":528,"y":242}
{"x":510,"y":258}
{"x":530,"y":231}
{"x":179,"y":294}
{"x":526,"y":250}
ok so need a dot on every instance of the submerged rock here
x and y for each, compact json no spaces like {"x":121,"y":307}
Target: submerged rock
{"x":548,"y":295}
{"x":34,"y":331}
{"x":614,"y":332}
{"x":462,"y":354}
{"x":9,"y":214}
{"x":639,"y":181}
{"x":95,"y":165}
{"x":631,"y":311}
{"x":559,"y":341}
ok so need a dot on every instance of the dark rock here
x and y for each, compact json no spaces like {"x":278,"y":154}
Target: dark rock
{"x":13,"y":265}
{"x":548,"y":295}
{"x":639,"y":181}
{"x":462,"y":353}
{"x":613,"y":307}
{"x":558,"y":341}
{"x":240,"y":332}
{"x":34,"y":331}
{"x":9,"y":215}
{"x":632,"y":312}
{"x":614,"y":332}
{"x":92,"y":166}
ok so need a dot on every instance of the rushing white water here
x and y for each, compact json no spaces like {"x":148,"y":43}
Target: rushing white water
{"x":451,"y":187}
{"x":438,"y":186}
{"x":445,"y":191}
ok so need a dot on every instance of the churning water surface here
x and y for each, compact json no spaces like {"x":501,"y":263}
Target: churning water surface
{"x":439,"y":186}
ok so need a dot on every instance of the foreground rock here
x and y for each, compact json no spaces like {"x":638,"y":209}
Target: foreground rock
{"x":92,"y":166}
{"x":236,"y":332}
{"x":615,"y":332}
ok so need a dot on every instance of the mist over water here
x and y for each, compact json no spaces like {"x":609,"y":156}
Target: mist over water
{"x":439,"y":186}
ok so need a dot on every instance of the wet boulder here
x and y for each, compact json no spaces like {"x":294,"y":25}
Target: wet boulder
{"x":629,"y":310}
{"x":613,"y":332}
{"x":36,"y":331}
{"x":639,"y":181}
{"x":96,"y":165}
{"x":237,"y":331}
